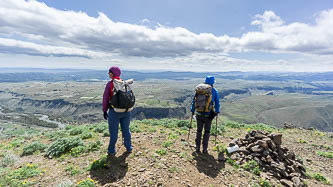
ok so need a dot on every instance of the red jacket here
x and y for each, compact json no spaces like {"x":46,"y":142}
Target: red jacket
{"x":108,"y":93}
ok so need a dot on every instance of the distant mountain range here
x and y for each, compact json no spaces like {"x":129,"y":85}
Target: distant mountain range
{"x":39,"y":74}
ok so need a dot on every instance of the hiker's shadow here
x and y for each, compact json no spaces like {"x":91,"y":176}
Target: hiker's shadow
{"x":115,"y":169}
{"x":207,"y":164}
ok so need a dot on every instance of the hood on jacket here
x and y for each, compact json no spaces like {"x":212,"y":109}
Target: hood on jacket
{"x":210,"y":80}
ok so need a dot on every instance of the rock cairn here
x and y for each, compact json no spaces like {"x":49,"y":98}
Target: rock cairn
{"x":287,"y":125}
{"x":272,"y":158}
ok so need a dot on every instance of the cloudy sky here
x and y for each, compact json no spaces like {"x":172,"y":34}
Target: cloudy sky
{"x":170,"y":35}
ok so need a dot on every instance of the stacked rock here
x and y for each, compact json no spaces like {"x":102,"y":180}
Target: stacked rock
{"x":267,"y":151}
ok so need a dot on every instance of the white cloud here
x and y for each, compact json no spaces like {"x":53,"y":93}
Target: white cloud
{"x":31,"y":27}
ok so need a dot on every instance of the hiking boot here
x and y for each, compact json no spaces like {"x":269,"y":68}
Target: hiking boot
{"x":197,"y":150}
{"x":205,"y":151}
{"x":110,"y":155}
{"x":129,"y":151}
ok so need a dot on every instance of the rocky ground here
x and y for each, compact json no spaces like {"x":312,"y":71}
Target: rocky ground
{"x":162,"y":156}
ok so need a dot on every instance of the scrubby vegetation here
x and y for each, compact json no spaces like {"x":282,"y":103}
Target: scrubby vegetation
{"x":160,"y":148}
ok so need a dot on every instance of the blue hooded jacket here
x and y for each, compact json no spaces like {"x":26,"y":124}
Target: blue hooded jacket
{"x":215,"y":97}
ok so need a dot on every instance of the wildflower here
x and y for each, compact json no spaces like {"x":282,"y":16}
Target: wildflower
{"x":91,"y":180}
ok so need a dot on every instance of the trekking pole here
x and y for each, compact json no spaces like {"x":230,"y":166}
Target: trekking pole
{"x":189,"y":129}
{"x":216,"y":130}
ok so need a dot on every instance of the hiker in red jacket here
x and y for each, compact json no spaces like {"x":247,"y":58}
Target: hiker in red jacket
{"x":114,"y":118}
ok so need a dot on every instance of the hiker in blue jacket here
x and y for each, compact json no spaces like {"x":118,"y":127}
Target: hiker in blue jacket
{"x":204,"y":119}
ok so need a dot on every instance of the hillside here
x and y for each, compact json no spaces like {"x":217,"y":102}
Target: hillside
{"x":75,"y":156}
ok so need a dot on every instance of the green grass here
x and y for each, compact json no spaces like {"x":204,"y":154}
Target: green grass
{"x":20,"y":177}
{"x":72,"y":170}
{"x":325,"y":154}
{"x":167,"y":144}
{"x":257,"y":126}
{"x":264,"y":183}
{"x":320,"y":178}
{"x":220,"y":148}
{"x":232,"y":162}
{"x":252,"y":166}
{"x":161,"y":152}
{"x":302,"y":141}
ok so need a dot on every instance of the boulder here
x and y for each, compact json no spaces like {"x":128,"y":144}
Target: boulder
{"x":297,"y":182}
{"x":257,"y":148}
{"x":277,"y":138}
{"x":286,"y":183}
{"x":263,"y":144}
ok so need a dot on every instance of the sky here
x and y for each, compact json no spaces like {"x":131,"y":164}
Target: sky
{"x":169,"y":35}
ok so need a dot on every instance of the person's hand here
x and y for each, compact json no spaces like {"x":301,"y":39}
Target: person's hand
{"x":105,"y":115}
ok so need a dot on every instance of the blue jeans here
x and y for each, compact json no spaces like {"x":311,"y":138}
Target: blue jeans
{"x":113,"y":120}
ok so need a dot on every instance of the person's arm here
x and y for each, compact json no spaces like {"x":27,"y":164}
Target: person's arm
{"x":217,"y":101}
{"x":106,"y":97}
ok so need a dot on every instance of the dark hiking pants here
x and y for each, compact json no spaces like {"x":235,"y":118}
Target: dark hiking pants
{"x":203,"y":122}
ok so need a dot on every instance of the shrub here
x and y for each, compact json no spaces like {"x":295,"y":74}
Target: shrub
{"x":75,"y":131}
{"x":17,"y":143}
{"x":86,"y":183}
{"x":54,"y":135}
{"x":302,"y":141}
{"x":264,"y":183}
{"x":325,"y":154}
{"x":28,"y":171}
{"x":62,"y":146}
{"x":95,"y":146}
{"x":76,"y":151}
{"x":172,"y":136}
{"x":234,"y":125}
{"x":161,"y":152}
{"x":65,"y":183}
{"x":320,"y":178}
{"x":167,"y":144}
{"x":252,"y":166}
{"x":33,"y":147}
{"x":134,"y":127}
{"x":14,"y":178}
{"x":101,"y":128}
{"x":183,"y":123}
{"x":72,"y":170}
{"x":261,"y":126}
{"x":220,"y":148}
{"x":220,"y":130}
{"x":98,"y":164}
{"x":86,"y":135}
{"x":8,"y":160}
{"x":106,"y":133}
{"x":69,"y":127}
{"x":232,"y":162}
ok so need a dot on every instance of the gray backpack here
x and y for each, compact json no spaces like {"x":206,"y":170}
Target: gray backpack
{"x":203,"y":98}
